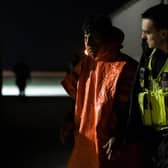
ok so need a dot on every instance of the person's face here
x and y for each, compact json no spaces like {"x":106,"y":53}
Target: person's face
{"x":152,"y":35}
{"x":92,"y":45}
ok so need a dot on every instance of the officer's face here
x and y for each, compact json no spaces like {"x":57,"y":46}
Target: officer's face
{"x":152,"y":35}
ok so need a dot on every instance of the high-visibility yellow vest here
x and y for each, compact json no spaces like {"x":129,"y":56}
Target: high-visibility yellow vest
{"x":153,"y":100}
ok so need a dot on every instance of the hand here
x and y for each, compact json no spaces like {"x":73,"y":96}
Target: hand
{"x":109,"y":147}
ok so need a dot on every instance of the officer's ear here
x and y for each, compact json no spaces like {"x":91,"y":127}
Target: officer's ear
{"x":164,"y":33}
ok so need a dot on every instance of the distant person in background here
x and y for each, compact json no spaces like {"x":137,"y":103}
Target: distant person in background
{"x":22,"y":75}
{"x":101,"y":84}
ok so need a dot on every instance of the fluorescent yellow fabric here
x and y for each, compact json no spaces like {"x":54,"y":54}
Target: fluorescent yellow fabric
{"x":153,"y":100}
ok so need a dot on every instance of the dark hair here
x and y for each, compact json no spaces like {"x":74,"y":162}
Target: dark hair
{"x":158,"y":14}
{"x":101,"y":27}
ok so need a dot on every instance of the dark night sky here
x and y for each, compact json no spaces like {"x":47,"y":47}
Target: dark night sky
{"x":45,"y":34}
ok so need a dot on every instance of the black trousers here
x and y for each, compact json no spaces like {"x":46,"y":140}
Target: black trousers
{"x":156,"y":150}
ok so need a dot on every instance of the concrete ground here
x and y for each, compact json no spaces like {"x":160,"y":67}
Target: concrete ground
{"x":30,"y":132}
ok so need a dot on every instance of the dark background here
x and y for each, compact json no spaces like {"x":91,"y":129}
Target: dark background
{"x":46,"y":34}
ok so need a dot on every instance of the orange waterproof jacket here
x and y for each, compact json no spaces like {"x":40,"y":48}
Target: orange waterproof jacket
{"x":101,"y":89}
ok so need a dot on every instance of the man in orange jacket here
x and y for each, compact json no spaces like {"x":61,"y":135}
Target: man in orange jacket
{"x":100,"y":85}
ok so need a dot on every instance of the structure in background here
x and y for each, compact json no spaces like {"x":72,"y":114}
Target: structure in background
{"x":128,"y":18}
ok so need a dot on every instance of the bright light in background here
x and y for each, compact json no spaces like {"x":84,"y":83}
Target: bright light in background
{"x":41,"y":84}
{"x":10,"y":91}
{"x":35,"y":91}
{"x":45,"y":91}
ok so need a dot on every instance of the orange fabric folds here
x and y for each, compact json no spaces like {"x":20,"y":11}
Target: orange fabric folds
{"x":94,"y":88}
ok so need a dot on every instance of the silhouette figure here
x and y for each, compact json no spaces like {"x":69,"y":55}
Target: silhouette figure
{"x":22,"y":74}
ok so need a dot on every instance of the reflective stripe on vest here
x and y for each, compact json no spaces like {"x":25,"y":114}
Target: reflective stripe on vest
{"x":153,"y":101}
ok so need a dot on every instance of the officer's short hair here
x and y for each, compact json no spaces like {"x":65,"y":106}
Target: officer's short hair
{"x":158,"y":14}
